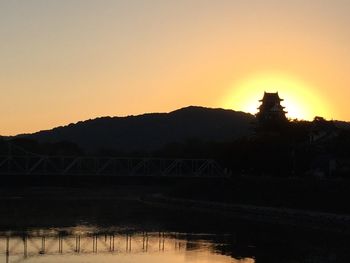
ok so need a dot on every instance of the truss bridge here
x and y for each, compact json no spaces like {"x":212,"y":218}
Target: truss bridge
{"x":21,"y":162}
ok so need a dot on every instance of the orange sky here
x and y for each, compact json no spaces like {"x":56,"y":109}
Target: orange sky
{"x":63,"y":61}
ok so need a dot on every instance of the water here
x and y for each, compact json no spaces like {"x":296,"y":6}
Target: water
{"x":77,"y":226}
{"x":91,"y":244}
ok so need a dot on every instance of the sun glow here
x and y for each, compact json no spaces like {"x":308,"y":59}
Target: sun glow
{"x":300,"y":99}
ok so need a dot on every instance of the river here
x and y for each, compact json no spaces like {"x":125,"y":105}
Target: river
{"x":90,"y":229}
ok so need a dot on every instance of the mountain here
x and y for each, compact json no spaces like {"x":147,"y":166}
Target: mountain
{"x":151,"y":131}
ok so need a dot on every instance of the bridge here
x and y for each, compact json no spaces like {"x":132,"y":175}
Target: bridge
{"x":21,"y":162}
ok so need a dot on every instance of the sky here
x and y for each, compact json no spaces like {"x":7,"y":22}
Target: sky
{"x":62,"y":61}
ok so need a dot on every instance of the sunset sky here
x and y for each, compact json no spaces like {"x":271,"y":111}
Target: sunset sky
{"x":62,"y":61}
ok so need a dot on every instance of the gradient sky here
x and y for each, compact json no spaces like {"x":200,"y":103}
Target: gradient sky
{"x":62,"y":61}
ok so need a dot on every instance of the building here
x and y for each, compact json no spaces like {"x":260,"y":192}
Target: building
{"x":271,"y":112}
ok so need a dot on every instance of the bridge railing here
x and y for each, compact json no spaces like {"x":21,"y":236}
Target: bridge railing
{"x":107,"y":166}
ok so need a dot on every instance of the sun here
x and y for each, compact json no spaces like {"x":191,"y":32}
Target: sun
{"x":300,"y":100}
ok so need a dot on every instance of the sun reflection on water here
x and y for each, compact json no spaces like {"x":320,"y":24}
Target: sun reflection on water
{"x":91,"y":244}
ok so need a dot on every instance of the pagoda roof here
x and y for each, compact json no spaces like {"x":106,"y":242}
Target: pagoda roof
{"x":271,"y":97}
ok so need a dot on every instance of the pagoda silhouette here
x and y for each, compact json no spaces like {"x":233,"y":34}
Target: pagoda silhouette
{"x":271,"y":112}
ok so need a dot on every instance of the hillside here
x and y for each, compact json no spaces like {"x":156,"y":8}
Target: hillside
{"x":151,"y":131}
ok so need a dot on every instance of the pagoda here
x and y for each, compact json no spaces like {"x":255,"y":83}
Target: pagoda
{"x":271,"y":111}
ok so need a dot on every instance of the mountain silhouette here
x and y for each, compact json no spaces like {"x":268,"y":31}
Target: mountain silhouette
{"x":151,"y":131}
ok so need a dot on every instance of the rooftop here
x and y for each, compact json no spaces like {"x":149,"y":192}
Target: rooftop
{"x":271,"y":97}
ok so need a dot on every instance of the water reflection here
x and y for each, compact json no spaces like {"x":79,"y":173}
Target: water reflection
{"x":128,"y":230}
{"x":93,"y":244}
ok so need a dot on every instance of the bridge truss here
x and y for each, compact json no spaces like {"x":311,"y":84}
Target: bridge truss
{"x":107,"y":166}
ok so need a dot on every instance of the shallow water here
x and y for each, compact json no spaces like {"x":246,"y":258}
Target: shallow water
{"x":93,"y":244}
